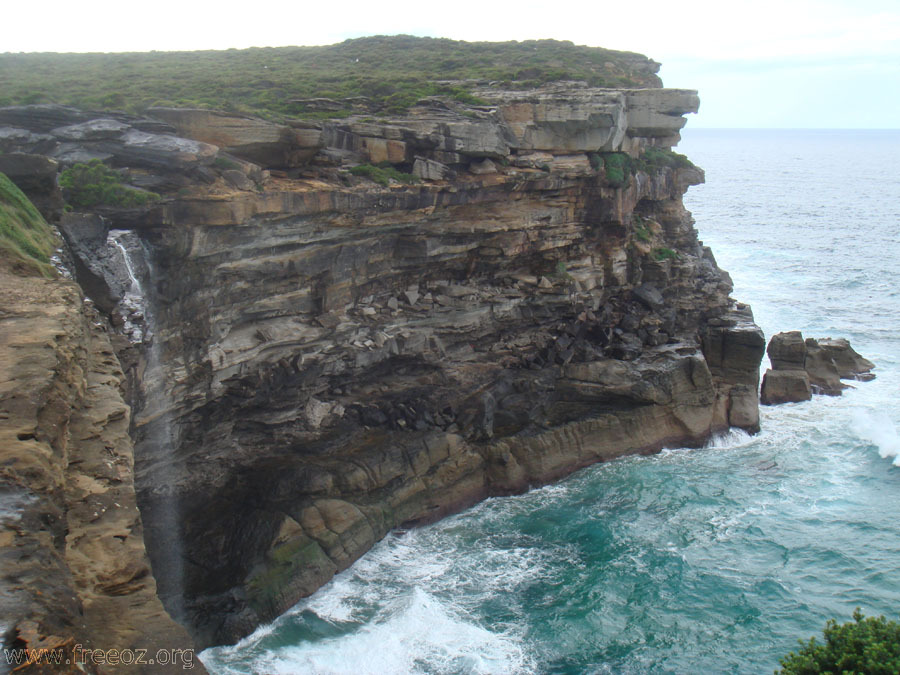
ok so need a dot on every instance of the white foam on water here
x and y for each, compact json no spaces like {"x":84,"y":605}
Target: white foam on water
{"x":416,"y":633}
{"x":733,"y":438}
{"x":878,"y":429}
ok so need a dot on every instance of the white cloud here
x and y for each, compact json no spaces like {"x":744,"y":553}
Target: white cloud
{"x":709,"y":29}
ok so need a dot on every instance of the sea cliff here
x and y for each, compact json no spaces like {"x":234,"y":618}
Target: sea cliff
{"x":331,"y":328}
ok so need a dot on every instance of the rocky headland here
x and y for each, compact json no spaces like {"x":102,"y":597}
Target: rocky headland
{"x":327,"y":328}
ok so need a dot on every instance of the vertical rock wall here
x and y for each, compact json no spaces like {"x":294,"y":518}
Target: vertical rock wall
{"x":73,"y":567}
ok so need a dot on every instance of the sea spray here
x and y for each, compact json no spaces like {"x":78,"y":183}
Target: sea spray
{"x":878,"y":429}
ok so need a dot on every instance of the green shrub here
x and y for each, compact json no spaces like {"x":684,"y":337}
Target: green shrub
{"x":225,"y":164}
{"x":657,"y":158}
{"x":383,"y":174}
{"x":25,"y":238}
{"x":641,"y":231}
{"x":864,"y":645}
{"x":618,"y":167}
{"x":660,"y":254}
{"x":95,"y":184}
{"x":561,"y":272}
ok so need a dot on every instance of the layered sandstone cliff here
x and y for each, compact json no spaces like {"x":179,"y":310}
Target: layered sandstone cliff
{"x":318,"y":358}
{"x":74,"y":574}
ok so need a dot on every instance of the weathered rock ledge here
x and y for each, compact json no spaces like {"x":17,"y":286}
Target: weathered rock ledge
{"x":324,"y":358}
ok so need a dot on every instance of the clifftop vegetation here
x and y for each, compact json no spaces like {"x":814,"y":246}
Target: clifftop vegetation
{"x":26,"y":241}
{"x":392,"y":71}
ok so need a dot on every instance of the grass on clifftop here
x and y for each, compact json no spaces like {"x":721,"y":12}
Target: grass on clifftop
{"x":394,"y":72}
{"x":26,"y":241}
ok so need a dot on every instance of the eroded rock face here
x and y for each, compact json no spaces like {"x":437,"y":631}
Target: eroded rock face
{"x":342,"y":362}
{"x":73,"y":568}
{"x":332,"y":358}
{"x":801,"y":368}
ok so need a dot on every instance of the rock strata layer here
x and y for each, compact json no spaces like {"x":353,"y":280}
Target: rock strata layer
{"x":366,"y":323}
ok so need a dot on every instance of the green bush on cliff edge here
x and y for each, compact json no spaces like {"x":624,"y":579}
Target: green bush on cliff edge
{"x":95,"y":184}
{"x":865,"y":645}
{"x":26,"y":241}
{"x":383,"y":174}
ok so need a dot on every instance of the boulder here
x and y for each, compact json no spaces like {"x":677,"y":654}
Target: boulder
{"x":649,"y":296}
{"x":532,"y":160}
{"x":93,"y":130}
{"x":849,"y":364}
{"x":571,"y":164}
{"x":379,"y":150}
{"x":157,"y":151}
{"x":823,"y":374}
{"x":734,"y":351}
{"x":785,"y":386}
{"x":562,"y":119}
{"x":823,"y":362}
{"x":787,"y":351}
{"x":15,"y":139}
{"x":659,"y":113}
{"x":31,"y":173}
{"x":41,"y":117}
{"x":743,"y":411}
{"x":428,"y":169}
{"x":238,"y":180}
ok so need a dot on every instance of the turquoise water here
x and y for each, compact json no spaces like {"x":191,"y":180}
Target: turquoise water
{"x":712,"y":560}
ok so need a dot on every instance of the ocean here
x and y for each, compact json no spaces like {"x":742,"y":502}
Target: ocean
{"x":710,"y":560}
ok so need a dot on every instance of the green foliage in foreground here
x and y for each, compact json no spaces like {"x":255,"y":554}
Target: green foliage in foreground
{"x":865,"y":645}
{"x":383,"y":174}
{"x":393,"y":72}
{"x":26,"y":240}
{"x":95,"y":184}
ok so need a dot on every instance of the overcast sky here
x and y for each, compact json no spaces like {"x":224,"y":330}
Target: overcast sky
{"x":759,"y":63}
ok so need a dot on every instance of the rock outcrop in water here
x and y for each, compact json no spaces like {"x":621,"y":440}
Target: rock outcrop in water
{"x":333,"y":352}
{"x":801,"y":368}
